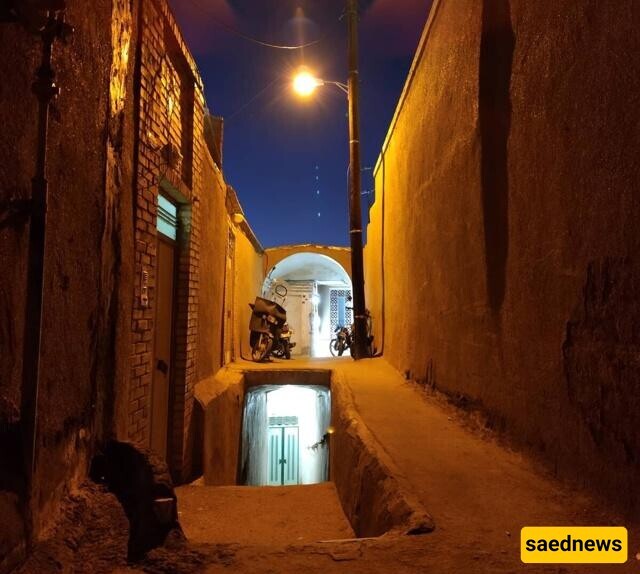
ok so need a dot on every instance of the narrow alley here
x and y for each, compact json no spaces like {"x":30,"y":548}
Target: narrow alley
{"x":334,"y":286}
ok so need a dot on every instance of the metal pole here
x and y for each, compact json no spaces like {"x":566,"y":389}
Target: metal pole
{"x":45,"y":89}
{"x":360,"y":343}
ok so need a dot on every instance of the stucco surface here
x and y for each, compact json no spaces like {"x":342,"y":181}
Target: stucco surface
{"x":76,"y":320}
{"x":248,"y":279}
{"x":274,"y":255}
{"x":501,"y":256}
{"x":220,"y":402}
{"x":214,"y":230}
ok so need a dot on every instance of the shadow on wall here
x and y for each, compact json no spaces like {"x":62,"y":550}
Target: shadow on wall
{"x":496,"y":59}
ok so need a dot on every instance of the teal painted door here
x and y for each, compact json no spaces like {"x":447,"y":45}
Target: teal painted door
{"x":284,"y":456}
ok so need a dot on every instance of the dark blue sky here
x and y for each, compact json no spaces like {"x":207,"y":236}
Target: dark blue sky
{"x":274,"y":140}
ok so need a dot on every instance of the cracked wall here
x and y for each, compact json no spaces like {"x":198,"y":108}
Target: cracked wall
{"x":77,"y":323}
{"x":501,"y":264}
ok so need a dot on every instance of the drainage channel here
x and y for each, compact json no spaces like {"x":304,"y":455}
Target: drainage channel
{"x":282,"y":468}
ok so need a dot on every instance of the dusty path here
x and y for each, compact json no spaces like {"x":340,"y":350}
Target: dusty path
{"x":262,"y":515}
{"x":479,"y":493}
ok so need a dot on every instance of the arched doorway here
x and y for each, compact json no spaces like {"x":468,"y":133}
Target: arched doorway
{"x":317,"y":300}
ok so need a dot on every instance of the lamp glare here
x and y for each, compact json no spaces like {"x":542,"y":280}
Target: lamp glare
{"x":304,"y":84}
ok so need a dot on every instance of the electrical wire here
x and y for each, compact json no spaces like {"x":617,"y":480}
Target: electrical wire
{"x":253,"y":99}
{"x":232,"y":30}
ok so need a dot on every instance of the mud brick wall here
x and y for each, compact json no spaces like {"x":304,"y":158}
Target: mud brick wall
{"x":502,"y":259}
{"x":77,"y":352}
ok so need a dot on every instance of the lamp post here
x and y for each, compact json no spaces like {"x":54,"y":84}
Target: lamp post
{"x":304,"y":84}
{"x":355,"y":213}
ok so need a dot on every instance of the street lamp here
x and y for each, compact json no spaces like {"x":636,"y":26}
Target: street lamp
{"x":304,"y":84}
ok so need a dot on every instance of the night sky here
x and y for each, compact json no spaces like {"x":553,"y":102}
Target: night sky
{"x":276,"y":144}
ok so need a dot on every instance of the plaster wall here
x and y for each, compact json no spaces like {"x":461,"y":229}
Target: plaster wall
{"x":324,"y":311}
{"x":88,"y":132}
{"x":248,"y":279}
{"x":273,"y":255}
{"x":106,"y":168}
{"x":501,"y":264}
{"x":215,"y":229}
{"x":220,"y":400}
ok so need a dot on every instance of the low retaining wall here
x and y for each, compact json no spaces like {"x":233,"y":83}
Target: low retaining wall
{"x":375,"y":496}
{"x":219,"y":405}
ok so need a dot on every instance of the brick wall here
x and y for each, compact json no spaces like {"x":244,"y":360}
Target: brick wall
{"x":171,"y":112}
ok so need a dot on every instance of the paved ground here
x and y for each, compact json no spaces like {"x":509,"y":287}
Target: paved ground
{"x":262,"y":515}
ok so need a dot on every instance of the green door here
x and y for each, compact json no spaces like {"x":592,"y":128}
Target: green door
{"x":284,"y":454}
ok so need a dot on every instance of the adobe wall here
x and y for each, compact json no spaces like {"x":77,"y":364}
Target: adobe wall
{"x":80,"y":293}
{"x":215,"y":229}
{"x":502,"y":262}
{"x":248,"y":279}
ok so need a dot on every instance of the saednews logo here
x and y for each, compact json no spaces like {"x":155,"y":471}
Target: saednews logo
{"x":573,"y":544}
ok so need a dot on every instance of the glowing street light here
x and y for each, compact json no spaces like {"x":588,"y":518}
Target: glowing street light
{"x":304,"y":83}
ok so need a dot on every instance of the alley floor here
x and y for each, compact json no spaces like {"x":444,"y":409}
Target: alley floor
{"x":479,"y":492}
{"x":261,"y":515}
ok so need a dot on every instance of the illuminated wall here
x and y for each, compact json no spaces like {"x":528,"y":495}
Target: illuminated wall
{"x":502,"y":258}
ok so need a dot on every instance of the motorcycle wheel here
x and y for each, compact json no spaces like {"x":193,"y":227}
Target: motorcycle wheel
{"x":337,"y":347}
{"x":260,"y":349}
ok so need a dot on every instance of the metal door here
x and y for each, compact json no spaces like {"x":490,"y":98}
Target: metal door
{"x":284,"y":456}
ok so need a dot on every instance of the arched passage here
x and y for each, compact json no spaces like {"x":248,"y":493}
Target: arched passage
{"x":317,"y":300}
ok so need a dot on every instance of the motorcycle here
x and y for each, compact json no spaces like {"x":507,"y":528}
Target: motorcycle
{"x":341,"y":342}
{"x":282,"y":348}
{"x":270,"y":333}
{"x":283,"y":345}
{"x":343,"y":338}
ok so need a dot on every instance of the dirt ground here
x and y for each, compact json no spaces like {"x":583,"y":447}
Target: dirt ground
{"x":479,"y":492}
{"x":262,"y":515}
